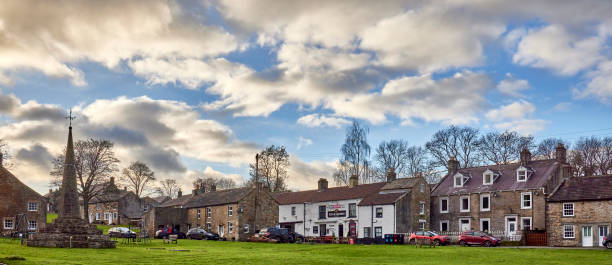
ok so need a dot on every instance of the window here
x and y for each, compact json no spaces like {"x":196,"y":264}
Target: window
{"x":246,"y":228}
{"x":98,"y":206}
{"x":146,"y":207}
{"x":521,"y":175}
{"x":465,"y":204}
{"x":352,"y":210}
{"x":230,"y":210}
{"x":106,"y":216}
{"x":485,"y":202}
{"x":322,"y":211}
{"x":568,"y":231}
{"x":458,"y":180}
{"x":443,"y":205}
{"x":444,"y":226}
{"x":422,"y":208}
{"x":199,"y":213}
{"x":366,"y":232}
{"x":230,"y":227}
{"x":115,"y":214}
{"x":379,"y":212}
{"x":315,"y":230}
{"x":32,"y":206}
{"x":292,"y":210}
{"x":487,"y":179}
{"x":422,"y":188}
{"x":485,"y":224}
{"x":421,"y":225}
{"x":32,"y":225}
{"x":208,"y":213}
{"x":568,"y":209}
{"x":378,"y":231}
{"x":97,"y":216}
{"x":8,"y":223}
{"x":208,"y":226}
{"x":526,"y":223}
{"x":526,"y":200}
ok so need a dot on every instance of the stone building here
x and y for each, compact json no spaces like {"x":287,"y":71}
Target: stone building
{"x":579,"y":212}
{"x":171,"y":213}
{"x":148,"y":203}
{"x":21,"y":209}
{"x":115,"y":206}
{"x":234,"y":214}
{"x":503,"y":199}
{"x":400,"y":206}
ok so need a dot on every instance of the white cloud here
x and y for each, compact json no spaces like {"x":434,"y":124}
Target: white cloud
{"x":599,"y":86}
{"x":516,"y":117}
{"x":523,"y":126}
{"x":319,"y":120}
{"x":512,"y":86}
{"x":303,"y":142}
{"x":304,"y":175}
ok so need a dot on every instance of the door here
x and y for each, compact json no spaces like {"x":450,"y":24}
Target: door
{"x":221,"y":232}
{"x":587,"y":236}
{"x":465,"y":225}
{"x":603,"y":231}
{"x":511,"y":224}
{"x":322,"y":230}
{"x":341,"y":230}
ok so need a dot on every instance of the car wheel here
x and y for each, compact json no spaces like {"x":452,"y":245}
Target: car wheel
{"x":462,"y":243}
{"x":412,"y":241}
{"x":609,"y":245}
{"x":487,"y":243}
{"x":436,"y":242}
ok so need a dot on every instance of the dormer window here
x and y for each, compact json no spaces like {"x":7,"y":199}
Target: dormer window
{"x":458,"y":180}
{"x":521,"y":174}
{"x":488,"y":177}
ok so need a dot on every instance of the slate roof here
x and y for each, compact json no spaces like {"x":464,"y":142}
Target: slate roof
{"x":584,"y":189}
{"x":401,"y":183}
{"x":219,"y":197}
{"x":382,"y":198}
{"x":110,"y":196}
{"x":180,"y":201}
{"x":541,"y":171}
{"x":330,"y":194}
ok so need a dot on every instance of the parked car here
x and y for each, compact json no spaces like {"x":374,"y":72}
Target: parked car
{"x":296,"y":237}
{"x":478,"y":238}
{"x":199,"y":233}
{"x":280,"y":234}
{"x":164,"y":233}
{"x":435,"y":238}
{"x":123,"y":232}
{"x":607,"y":241}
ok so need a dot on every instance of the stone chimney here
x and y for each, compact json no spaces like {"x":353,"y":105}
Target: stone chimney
{"x":50,"y":191}
{"x":213,"y":187}
{"x":353,"y":181}
{"x":561,"y":153}
{"x":391,"y":176}
{"x":194,"y":192}
{"x":180,"y":193}
{"x":588,"y":171}
{"x":453,"y":165}
{"x":322,"y":184}
{"x":112,"y":180}
{"x":125,"y":188}
{"x":525,"y":156}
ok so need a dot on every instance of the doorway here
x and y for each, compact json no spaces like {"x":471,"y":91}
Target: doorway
{"x":603,"y":231}
{"x":511,"y":225}
{"x":221,"y":231}
{"x":322,"y":230}
{"x":464,"y":225}
{"x":341,"y":230}
{"x":587,"y":236}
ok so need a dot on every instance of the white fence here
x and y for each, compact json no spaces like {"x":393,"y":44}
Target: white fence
{"x":454,"y":236}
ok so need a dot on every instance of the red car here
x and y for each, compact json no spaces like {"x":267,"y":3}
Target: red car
{"x":438,"y":240}
{"x":478,"y":238}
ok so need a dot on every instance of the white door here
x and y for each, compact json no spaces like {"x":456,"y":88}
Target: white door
{"x":465,"y":225}
{"x":91,"y":218}
{"x":603,"y":231}
{"x":587,"y":236}
{"x":511,"y":224}
{"x":220,"y":230}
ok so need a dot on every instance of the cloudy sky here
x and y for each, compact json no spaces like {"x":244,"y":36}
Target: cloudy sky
{"x":198,"y":87}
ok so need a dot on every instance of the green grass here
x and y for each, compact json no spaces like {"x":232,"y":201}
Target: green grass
{"x":51,"y":217}
{"x":104,"y":228}
{"x":211,"y":252}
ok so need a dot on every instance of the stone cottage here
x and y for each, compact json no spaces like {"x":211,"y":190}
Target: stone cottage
{"x":171,"y":213}
{"x":22,"y":209}
{"x":115,"y":206}
{"x":579,"y":212}
{"x":503,"y":199}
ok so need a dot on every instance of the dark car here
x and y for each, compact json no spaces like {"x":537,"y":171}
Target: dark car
{"x":199,"y":233}
{"x":122,"y":232}
{"x":296,"y":237}
{"x":279,"y":234}
{"x":607,"y":241}
{"x":478,"y":238}
{"x":436,"y":239}
{"x":164,"y":233}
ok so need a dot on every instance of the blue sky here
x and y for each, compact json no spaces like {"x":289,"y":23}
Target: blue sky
{"x":204,"y":85}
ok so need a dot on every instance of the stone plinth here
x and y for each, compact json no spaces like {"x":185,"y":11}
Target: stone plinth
{"x":71,"y":233}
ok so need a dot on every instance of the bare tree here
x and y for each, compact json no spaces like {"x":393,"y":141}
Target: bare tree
{"x":392,"y":154}
{"x":94,"y":161}
{"x":138,"y":177}
{"x":546,"y":147}
{"x":273,"y":167}
{"x":168,"y":187}
{"x":355,"y":154}
{"x":220,"y":183}
{"x":592,"y":156}
{"x":458,"y":142}
{"x":419,"y":162}
{"x":503,"y":148}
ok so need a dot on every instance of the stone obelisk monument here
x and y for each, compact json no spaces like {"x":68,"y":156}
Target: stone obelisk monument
{"x":70,"y":230}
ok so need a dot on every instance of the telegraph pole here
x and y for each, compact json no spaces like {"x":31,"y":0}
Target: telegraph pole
{"x":257,"y":191}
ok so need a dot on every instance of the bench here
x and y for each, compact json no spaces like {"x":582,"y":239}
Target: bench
{"x":171,"y":239}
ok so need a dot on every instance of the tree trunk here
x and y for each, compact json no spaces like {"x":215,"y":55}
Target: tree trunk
{"x":86,"y":208}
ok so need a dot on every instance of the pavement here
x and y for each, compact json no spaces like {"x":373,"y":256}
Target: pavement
{"x":544,"y":247}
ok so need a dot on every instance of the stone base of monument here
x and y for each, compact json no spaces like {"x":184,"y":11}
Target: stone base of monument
{"x":71,"y":233}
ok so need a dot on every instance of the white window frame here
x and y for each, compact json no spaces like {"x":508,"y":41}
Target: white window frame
{"x":530,"y":223}
{"x":230,"y":227}
{"x":107,"y":216}
{"x":230,"y":211}
{"x":97,"y":216}
{"x":523,"y":200}
{"x":32,"y":207}
{"x":208,"y":213}
{"x":199,"y":214}
{"x":115,"y":215}
{"x":367,"y":232}
{"x":458,"y":175}
{"x":293,"y":210}
{"x":573,"y":231}
{"x":246,"y":228}
{"x":422,"y":225}
{"x":32,"y":227}
{"x":447,"y":225}
{"x":518,"y":174}
{"x":482,"y":196}
{"x":485,"y":219}
{"x":381,"y":212}
{"x":447,"y":204}
{"x":421,"y":208}
{"x":484,"y":177}
{"x":208,"y":227}
{"x":11,"y":227}
{"x":573,"y":209}
{"x":461,"y":204}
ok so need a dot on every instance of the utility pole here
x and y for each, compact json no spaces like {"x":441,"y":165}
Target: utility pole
{"x":257,"y":191}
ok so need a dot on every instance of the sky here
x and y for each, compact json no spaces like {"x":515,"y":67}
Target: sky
{"x":197,"y":88}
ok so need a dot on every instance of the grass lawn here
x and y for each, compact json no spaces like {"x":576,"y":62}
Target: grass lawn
{"x":51,"y":217}
{"x":212,"y":252}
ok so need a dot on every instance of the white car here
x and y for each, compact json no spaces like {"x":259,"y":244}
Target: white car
{"x":121,"y":232}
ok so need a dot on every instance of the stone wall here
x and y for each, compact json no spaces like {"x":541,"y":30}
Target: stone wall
{"x":101,"y":208}
{"x":419,"y":196}
{"x":14,"y":198}
{"x":586,"y":213}
{"x":267,"y":213}
{"x":219,"y":217}
{"x":161,"y":217}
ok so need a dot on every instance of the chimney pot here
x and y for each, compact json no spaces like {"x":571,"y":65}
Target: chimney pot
{"x":353,"y":181}
{"x":194,"y":192}
{"x":322,"y":184}
{"x":391,"y":175}
{"x":180,"y":193}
